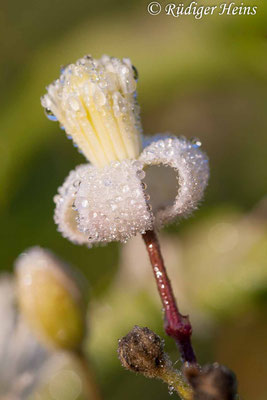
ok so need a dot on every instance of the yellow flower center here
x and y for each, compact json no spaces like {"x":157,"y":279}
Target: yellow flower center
{"x":95,"y":102}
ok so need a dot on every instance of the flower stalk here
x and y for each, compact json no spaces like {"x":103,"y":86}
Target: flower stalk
{"x":176,"y":325}
{"x":177,"y":382}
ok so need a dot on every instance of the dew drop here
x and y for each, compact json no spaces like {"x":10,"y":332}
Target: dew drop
{"x":137,"y":164}
{"x":107,"y":182}
{"x":141,"y":174}
{"x":144,"y":185}
{"x":147,"y":197}
{"x":124,"y":70}
{"x":63,"y":67}
{"x":74,"y":103}
{"x":50,"y":115}
{"x":171,"y":389}
{"x":196,"y":142}
{"x":99,"y":98}
{"x":76,"y":183}
{"x":125,"y":189}
{"x":85,"y":203}
{"x":135,"y":72}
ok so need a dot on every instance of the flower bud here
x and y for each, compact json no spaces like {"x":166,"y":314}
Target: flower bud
{"x":50,"y":299}
{"x":141,"y":350}
{"x":213,"y":382}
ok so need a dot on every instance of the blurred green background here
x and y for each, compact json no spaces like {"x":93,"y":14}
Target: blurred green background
{"x":198,"y":78}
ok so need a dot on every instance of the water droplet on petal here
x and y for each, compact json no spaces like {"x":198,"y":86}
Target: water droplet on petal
{"x":76,"y":183}
{"x":125,"y":189}
{"x":74,"y":103}
{"x":196,"y":142}
{"x":85,"y":203}
{"x":137,"y":164}
{"x":107,"y":182}
{"x":99,"y":97}
{"x":141,"y":174}
{"x":144,"y":185}
{"x":50,"y":115}
{"x":63,"y":67}
{"x":135,"y":72}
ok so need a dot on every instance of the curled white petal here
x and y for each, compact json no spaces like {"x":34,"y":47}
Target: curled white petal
{"x":101,"y":205}
{"x":95,"y":101}
{"x":111,"y":203}
{"x":191,"y":165}
{"x":65,"y":214}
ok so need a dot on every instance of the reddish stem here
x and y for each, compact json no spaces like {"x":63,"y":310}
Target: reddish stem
{"x":176,"y":325}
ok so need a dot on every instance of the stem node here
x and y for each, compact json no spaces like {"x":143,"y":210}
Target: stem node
{"x":176,"y":325}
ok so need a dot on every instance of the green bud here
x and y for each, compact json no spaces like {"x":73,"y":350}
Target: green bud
{"x":50,"y":299}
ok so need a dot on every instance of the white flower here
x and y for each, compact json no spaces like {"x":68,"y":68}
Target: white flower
{"x":107,"y":200}
{"x":94,"y":100}
{"x":23,"y":361}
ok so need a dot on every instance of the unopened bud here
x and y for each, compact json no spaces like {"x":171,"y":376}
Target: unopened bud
{"x":142,"y":351}
{"x":50,"y":299}
{"x":213,"y":382}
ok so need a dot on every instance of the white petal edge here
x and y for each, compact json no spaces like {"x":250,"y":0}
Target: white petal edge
{"x":192,"y":167}
{"x":65,"y":214}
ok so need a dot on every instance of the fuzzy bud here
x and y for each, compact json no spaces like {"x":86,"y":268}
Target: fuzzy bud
{"x":213,"y":382}
{"x":141,"y":350}
{"x":50,"y":299}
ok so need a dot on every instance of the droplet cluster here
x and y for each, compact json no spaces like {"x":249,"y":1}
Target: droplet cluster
{"x":192,"y":169}
{"x":101,"y":205}
{"x":65,"y":212}
{"x":95,"y":101}
{"x":111,"y":203}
